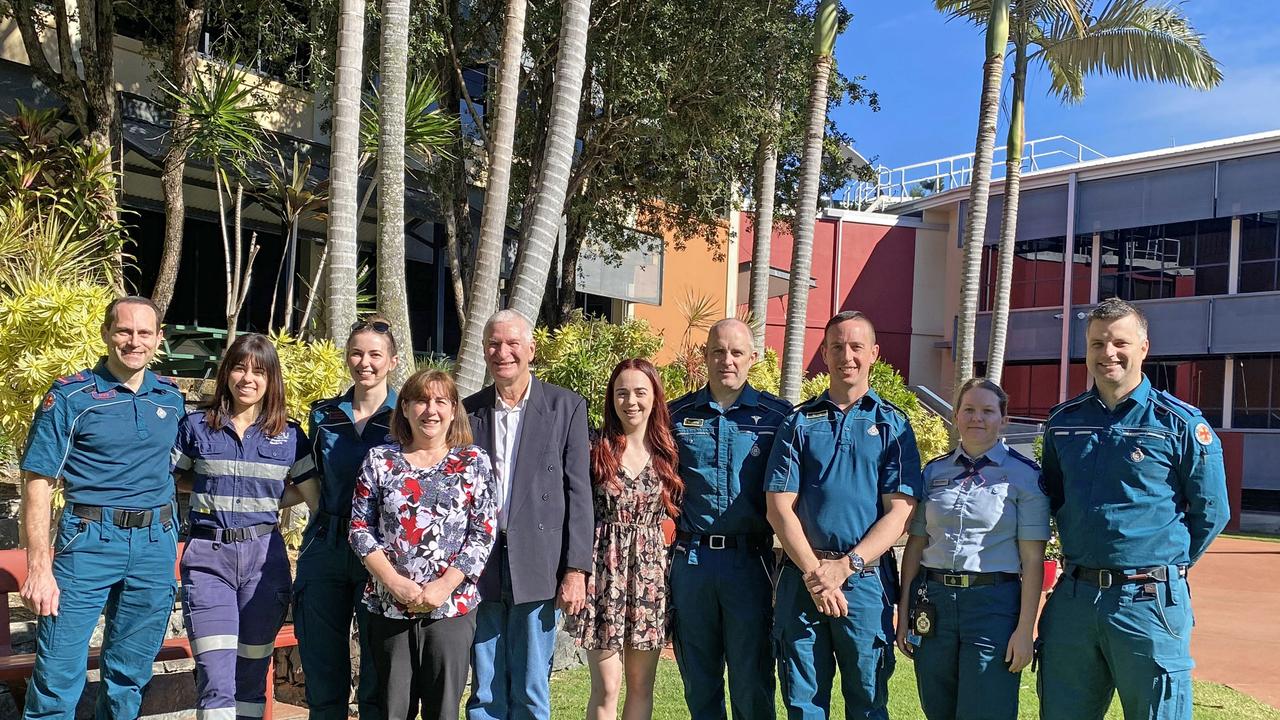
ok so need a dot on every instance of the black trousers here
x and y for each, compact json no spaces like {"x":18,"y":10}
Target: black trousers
{"x":421,"y":664}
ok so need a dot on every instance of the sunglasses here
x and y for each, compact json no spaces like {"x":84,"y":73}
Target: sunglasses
{"x":377,"y":326}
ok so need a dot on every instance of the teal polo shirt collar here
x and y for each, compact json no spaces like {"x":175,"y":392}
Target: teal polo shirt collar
{"x":1140,"y":395}
{"x":346,"y":403}
{"x":868,"y":401}
{"x":104,"y":381}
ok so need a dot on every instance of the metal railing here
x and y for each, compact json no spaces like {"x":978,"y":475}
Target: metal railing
{"x":894,"y":185}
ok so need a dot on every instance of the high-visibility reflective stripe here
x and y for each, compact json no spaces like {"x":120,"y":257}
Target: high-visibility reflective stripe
{"x":214,"y":642}
{"x":248,"y":709}
{"x":302,"y":467}
{"x":206,"y":503}
{"x":255,"y":652}
{"x":180,"y":460}
{"x":217,"y":713}
{"x":241,"y":468}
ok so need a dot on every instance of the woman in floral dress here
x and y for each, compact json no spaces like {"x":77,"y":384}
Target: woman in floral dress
{"x":633,"y":471}
{"x":423,"y":519}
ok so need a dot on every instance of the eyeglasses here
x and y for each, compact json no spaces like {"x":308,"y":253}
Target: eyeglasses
{"x":377,"y":326}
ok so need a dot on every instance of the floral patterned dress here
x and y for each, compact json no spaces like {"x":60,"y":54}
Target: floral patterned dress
{"x":627,"y":591}
{"x":426,"y":520}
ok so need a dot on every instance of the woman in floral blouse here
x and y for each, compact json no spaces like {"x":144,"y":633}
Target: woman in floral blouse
{"x":636,"y":486}
{"x":424,"y":520}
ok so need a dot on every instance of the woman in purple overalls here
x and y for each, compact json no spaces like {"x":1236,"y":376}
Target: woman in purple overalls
{"x":238,"y":455}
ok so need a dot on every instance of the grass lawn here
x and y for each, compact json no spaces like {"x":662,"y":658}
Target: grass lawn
{"x":570,"y":689}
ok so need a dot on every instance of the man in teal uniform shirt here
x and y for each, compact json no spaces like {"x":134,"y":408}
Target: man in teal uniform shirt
{"x":1136,"y":481}
{"x":106,"y":434}
{"x":843,"y":481}
{"x":721,"y":570}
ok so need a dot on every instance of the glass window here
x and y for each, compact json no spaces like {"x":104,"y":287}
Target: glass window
{"x":1260,"y":252}
{"x":1185,"y":259}
{"x":1037,"y":273}
{"x":1255,"y":394}
{"x":1195,"y":381}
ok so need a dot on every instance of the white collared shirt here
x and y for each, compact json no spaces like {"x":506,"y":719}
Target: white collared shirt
{"x":506,"y":440}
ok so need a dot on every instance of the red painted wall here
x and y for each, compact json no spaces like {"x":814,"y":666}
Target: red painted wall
{"x":877,"y":267}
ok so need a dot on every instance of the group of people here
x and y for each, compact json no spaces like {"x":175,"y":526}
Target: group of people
{"x":453,"y":531}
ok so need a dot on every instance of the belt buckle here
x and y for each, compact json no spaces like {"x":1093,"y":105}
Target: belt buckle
{"x":715,"y":542}
{"x":131,"y":518}
{"x":956,"y":581}
{"x":1105,"y":579}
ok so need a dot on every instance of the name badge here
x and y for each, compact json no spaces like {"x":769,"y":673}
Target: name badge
{"x":692,"y":422}
{"x":816,"y":415}
{"x":940,"y":482}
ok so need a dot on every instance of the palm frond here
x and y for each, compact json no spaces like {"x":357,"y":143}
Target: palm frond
{"x":428,"y":128}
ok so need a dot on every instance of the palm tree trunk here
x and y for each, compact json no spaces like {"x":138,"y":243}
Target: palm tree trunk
{"x":493,"y":219}
{"x":393,"y":296}
{"x":766,"y":181}
{"x":340,"y":293}
{"x":557,"y":161}
{"x":980,"y":188}
{"x":1009,"y":221}
{"x":807,"y":204}
{"x":188,"y":18}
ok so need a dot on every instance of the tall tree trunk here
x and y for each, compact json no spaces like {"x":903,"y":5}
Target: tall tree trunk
{"x":340,"y":295}
{"x":807,"y":203}
{"x":189,"y":20}
{"x":557,"y":160}
{"x":1009,"y":221}
{"x":980,"y":188}
{"x":493,"y":219}
{"x":766,"y":181}
{"x":393,"y":296}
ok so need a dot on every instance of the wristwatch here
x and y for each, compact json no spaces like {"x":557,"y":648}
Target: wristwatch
{"x":856,"y":563}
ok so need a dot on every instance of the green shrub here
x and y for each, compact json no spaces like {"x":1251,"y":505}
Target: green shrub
{"x":580,"y":354}
{"x":48,"y":329}
{"x":312,"y":371}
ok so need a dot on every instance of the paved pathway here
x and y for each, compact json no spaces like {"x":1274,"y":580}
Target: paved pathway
{"x":1235,"y":591}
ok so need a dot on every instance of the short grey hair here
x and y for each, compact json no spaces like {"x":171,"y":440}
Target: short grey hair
{"x":509,"y":316}
{"x":1113,"y":309}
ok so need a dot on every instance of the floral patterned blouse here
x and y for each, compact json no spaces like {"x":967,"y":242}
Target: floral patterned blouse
{"x":426,"y":520}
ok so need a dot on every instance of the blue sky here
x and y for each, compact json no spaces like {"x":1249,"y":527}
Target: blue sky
{"x":928,"y":72}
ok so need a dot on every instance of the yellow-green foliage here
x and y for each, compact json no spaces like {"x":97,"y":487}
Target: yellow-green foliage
{"x":47,"y":329}
{"x":581,"y":354}
{"x":312,"y":371}
{"x":766,"y":374}
{"x":931,"y":433}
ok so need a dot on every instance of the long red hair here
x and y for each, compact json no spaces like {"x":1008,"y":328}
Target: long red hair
{"x":606,"y":452}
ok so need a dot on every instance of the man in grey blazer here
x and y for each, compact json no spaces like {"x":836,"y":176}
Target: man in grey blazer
{"x":536,"y":436}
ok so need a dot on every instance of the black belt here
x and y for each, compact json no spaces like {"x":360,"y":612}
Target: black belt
{"x":123,"y":518}
{"x":232,"y":535}
{"x":1105,"y":578}
{"x":721,"y":542}
{"x":337,"y":524}
{"x":969,"y":579}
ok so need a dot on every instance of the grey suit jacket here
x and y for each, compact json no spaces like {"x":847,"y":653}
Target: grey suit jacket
{"x":550,"y":523}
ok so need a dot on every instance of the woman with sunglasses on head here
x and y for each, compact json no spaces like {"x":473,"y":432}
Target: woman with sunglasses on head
{"x":973,"y":567}
{"x":635,"y":487}
{"x":237,"y":456}
{"x":424,"y":519}
{"x":330,"y":577}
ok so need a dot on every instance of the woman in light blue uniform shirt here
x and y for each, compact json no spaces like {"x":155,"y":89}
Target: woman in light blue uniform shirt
{"x":973,"y":567}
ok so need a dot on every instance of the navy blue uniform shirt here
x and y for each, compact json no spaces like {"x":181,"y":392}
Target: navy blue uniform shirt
{"x":109,"y":444}
{"x":238,"y":482}
{"x":1140,"y":486}
{"x":723,"y":456}
{"x":339,"y":450}
{"x":840,"y":462}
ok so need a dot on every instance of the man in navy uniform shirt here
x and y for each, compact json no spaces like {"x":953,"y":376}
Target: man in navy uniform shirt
{"x":843,"y":481}
{"x":1136,"y":481}
{"x":106,"y":433}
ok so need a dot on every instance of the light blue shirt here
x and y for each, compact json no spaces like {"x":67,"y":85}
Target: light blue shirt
{"x":975,"y":511}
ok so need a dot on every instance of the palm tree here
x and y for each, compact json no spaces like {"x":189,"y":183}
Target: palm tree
{"x":766,"y":161}
{"x":493,"y":219}
{"x":980,"y":186}
{"x":1129,"y":38}
{"x":557,"y":159}
{"x":288,"y":194}
{"x":807,"y":203}
{"x":344,"y":170}
{"x":393,"y":296}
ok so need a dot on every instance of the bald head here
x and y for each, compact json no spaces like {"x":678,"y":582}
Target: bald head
{"x":730,"y":353}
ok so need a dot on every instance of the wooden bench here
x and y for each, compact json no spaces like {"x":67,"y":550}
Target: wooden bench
{"x":18,"y":667}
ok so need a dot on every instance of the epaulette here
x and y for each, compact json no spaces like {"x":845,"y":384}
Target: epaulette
{"x":779,"y":404}
{"x":1024,"y":459}
{"x":81,"y":376}
{"x":680,"y":402}
{"x":1069,"y":404}
{"x":168,"y":381}
{"x":1176,"y":403}
{"x":943,"y":456}
{"x":895,"y":408}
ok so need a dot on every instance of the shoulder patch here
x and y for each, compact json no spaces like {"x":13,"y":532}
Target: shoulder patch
{"x":72,"y":379}
{"x":47,"y":404}
{"x":1203,"y":434}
